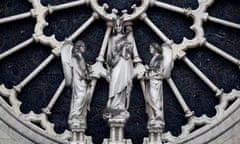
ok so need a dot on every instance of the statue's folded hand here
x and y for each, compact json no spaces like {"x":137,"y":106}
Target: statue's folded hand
{"x":97,"y":70}
{"x":139,"y":71}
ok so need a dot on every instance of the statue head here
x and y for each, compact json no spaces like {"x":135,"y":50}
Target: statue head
{"x":79,"y":47}
{"x":155,"y":48}
{"x":118,"y":24}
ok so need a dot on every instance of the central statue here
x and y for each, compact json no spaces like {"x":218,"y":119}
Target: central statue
{"x":120,"y":70}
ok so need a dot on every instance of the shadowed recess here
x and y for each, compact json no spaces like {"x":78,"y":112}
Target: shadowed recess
{"x":144,"y":36}
{"x":120,"y":4}
{"x":39,"y":91}
{"x":136,"y":127}
{"x":55,"y":2}
{"x":223,"y":37}
{"x":19,"y":65}
{"x":222,"y":72}
{"x":13,"y":7}
{"x":66,"y":22}
{"x":93,"y":37}
{"x":60,"y":111}
{"x":195,"y":92}
{"x":173,"y":25}
{"x":15,"y":32}
{"x":193,"y":4}
{"x":227,"y":10}
{"x":173,"y":113}
{"x":97,"y":127}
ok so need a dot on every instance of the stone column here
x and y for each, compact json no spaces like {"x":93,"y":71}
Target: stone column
{"x":155,"y":130}
{"x":116,"y":125}
{"x":78,"y":133}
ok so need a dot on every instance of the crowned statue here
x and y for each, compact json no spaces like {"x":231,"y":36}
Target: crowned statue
{"x":120,"y":64}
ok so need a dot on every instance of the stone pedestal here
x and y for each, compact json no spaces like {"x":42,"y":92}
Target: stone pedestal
{"x":117,"y":132}
{"x":155,"y":130}
{"x":78,"y":134}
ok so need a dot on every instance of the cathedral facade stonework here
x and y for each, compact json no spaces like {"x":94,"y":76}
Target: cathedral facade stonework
{"x":119,"y":72}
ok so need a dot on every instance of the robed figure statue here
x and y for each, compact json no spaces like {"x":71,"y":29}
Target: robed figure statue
{"x":120,"y":71}
{"x":159,"y":68}
{"x":77,"y":76}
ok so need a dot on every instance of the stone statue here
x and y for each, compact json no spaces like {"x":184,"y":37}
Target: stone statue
{"x":160,"y":67}
{"x":77,"y":76}
{"x":120,"y":69}
{"x":123,"y":64}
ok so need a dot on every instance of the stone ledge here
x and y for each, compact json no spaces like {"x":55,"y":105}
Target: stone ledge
{"x":216,"y":130}
{"x":12,"y":130}
{"x":23,"y":129}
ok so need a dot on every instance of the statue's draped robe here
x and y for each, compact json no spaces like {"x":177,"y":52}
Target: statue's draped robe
{"x":74,"y":68}
{"x":154,"y":89}
{"x":121,"y":73}
{"x":79,"y":90}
